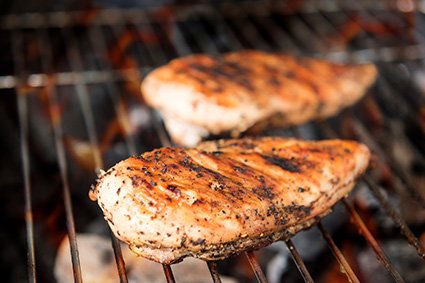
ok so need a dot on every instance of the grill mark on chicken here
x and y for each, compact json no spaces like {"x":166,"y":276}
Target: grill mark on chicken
{"x":225,"y":185}
{"x":175,"y":190}
{"x":242,"y":201}
{"x":284,"y":163}
{"x":227,"y":70}
{"x":260,"y":190}
{"x":231,"y":72}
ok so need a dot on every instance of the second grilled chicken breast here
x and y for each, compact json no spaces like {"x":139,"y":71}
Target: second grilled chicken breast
{"x":200,"y":95}
{"x":225,"y":197}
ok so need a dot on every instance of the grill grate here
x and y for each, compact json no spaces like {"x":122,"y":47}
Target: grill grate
{"x":141,"y":40}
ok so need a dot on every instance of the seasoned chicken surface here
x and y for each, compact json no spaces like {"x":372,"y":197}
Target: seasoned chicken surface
{"x":225,"y":197}
{"x":200,"y":95}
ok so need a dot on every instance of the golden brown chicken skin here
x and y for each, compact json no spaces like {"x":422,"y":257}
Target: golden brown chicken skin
{"x":200,"y":95}
{"x":225,"y":197}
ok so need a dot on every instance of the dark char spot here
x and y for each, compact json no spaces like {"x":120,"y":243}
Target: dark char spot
{"x":140,"y":157}
{"x":274,"y":82}
{"x":174,"y":189}
{"x":198,"y":242}
{"x":262,"y":180}
{"x":298,"y":211}
{"x":239,"y":169}
{"x":187,"y":163}
{"x":135,"y":180}
{"x":198,"y":202}
{"x":284,"y":163}
{"x":263,"y":192}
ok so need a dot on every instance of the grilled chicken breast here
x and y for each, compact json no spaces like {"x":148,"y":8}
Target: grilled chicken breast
{"x":200,"y":95}
{"x":227,"y":196}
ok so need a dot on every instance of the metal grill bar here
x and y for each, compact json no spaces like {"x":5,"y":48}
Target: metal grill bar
{"x":212,"y":266}
{"x":67,"y":196}
{"x":230,"y":35}
{"x":68,"y":78}
{"x":250,"y":33}
{"x":156,"y":51}
{"x":344,"y":265}
{"x":119,"y":260}
{"x":168,"y":273}
{"x":23,"y":131}
{"x":299,"y":262}
{"x":202,"y":40}
{"x":401,"y":173}
{"x":363,"y":134}
{"x":408,"y":102}
{"x":395,"y":216}
{"x":56,"y":123}
{"x":372,"y":242}
{"x":256,"y":267}
{"x":391,"y":212}
{"x":99,"y":42}
{"x":308,"y":39}
{"x":281,"y":39}
{"x":83,"y":97}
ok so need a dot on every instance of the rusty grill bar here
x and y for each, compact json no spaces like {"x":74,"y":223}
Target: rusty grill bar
{"x":373,"y":242}
{"x":395,"y":216}
{"x":299,"y":261}
{"x":345,"y":267}
{"x":256,"y":267}
{"x":168,"y":273}
{"x":23,"y":121}
{"x":243,"y":29}
{"x":212,"y":266}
